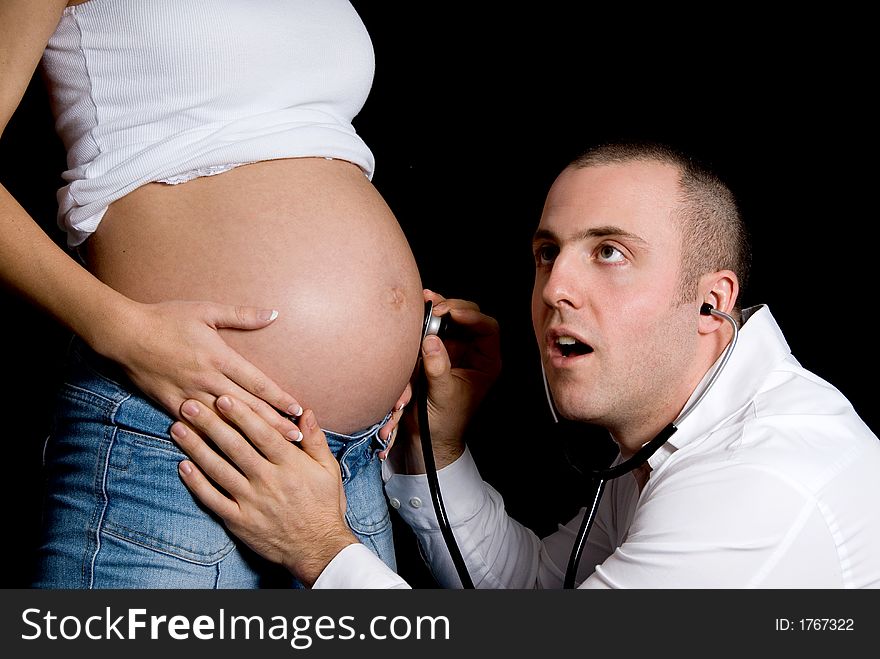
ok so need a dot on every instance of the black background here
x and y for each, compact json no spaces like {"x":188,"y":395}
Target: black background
{"x":473,"y":112}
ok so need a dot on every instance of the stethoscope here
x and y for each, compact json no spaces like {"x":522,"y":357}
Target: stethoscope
{"x":437,"y":325}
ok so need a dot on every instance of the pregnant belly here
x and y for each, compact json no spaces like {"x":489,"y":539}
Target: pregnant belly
{"x":309,"y":237}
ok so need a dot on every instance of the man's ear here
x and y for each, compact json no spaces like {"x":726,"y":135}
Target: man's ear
{"x":720,"y":289}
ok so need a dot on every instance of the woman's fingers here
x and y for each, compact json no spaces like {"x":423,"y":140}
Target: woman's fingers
{"x":385,"y":432}
{"x":405,"y":397}
{"x":236,"y":367}
{"x":389,"y":443}
{"x":215,"y":466}
{"x":237,"y":316}
{"x":255,"y":382}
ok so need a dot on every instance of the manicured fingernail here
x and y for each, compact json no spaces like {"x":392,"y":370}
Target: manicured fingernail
{"x":295,"y":435}
{"x":295,"y":409}
{"x":268,"y":314}
{"x":190,"y":408}
{"x":178,"y":430}
{"x":186,"y":468}
{"x":224,"y":403}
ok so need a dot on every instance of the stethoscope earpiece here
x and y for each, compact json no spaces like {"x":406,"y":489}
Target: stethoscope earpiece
{"x":602,"y":476}
{"x":438,"y":325}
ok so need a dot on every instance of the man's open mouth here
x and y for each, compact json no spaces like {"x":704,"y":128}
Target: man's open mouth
{"x":569,"y":346}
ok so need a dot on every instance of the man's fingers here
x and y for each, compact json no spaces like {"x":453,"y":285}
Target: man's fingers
{"x":227,"y":439}
{"x":435,"y":361}
{"x":314,"y":441}
{"x":474,"y":320}
{"x":205,"y":492}
{"x":283,"y":424}
{"x":431,"y":296}
{"x":215,"y":466}
{"x":434,"y":357}
{"x":260,"y":433}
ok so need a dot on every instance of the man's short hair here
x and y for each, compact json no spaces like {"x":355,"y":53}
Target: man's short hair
{"x":713,"y":235}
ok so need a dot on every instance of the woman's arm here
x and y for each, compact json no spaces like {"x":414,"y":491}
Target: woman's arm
{"x":171,"y":350}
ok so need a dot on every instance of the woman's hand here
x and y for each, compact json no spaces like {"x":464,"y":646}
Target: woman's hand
{"x":285,"y":501}
{"x":172,"y":352}
{"x":388,"y":432}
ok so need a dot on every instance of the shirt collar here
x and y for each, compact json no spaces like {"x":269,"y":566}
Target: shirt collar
{"x":760,"y":348}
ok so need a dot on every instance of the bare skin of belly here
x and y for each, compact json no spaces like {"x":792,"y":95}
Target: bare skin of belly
{"x":309,"y":237}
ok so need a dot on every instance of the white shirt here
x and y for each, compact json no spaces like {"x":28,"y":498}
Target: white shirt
{"x":773,"y":481}
{"x":149,"y":91}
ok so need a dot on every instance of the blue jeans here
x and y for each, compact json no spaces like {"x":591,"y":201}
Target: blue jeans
{"x":117,"y":515}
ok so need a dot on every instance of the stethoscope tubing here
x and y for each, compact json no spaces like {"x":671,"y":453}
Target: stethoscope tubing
{"x":600,"y":476}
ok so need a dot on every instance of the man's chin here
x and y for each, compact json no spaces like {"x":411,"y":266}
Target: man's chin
{"x":574,"y":409}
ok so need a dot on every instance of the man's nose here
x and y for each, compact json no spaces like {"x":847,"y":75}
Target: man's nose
{"x":564,"y":283}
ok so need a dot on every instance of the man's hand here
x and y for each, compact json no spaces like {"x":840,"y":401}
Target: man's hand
{"x":285,"y":501}
{"x":460,"y":369}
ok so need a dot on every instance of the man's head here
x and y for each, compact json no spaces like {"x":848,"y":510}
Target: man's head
{"x":712,"y":232}
{"x":632,"y":240}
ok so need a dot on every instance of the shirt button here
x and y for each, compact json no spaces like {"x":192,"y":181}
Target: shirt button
{"x":395,"y":503}
{"x":415,"y":502}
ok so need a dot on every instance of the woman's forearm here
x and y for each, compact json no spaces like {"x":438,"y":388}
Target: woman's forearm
{"x":34,"y":267}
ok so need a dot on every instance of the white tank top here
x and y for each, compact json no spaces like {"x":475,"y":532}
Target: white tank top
{"x":162,"y":90}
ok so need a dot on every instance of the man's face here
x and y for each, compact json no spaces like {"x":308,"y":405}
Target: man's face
{"x":607,"y":262}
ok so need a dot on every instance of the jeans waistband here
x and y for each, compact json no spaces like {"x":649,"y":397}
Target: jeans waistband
{"x":81,"y":355}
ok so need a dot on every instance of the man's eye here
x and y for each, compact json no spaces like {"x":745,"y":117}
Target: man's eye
{"x":545,"y":254}
{"x":609,"y":254}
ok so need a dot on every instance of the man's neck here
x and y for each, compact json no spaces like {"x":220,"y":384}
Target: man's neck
{"x":635,"y":433}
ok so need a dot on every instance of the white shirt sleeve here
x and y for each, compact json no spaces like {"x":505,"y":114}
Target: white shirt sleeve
{"x":685,"y":532}
{"x":357,"y":567}
{"x":499,"y":552}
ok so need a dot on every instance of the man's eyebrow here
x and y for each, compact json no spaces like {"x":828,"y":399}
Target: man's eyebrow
{"x":593,"y":232}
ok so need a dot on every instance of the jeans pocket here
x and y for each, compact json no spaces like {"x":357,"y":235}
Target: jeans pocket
{"x":148,"y":504}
